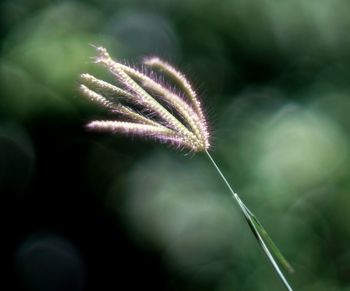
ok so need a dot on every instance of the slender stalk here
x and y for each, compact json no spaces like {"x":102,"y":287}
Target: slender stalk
{"x":258,"y":231}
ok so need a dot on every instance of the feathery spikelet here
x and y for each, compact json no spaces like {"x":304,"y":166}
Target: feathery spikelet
{"x":148,"y":107}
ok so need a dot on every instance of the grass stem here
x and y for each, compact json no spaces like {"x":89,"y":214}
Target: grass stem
{"x":258,"y":231}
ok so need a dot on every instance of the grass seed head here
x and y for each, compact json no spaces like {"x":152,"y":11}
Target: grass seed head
{"x":146,"y":106}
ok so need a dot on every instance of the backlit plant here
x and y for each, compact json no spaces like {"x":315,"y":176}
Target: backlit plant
{"x":148,"y":108}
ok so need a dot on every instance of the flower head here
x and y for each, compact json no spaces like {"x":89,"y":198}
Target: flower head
{"x":146,"y":106}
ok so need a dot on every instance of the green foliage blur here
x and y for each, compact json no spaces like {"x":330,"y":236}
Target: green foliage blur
{"x":274,"y":78}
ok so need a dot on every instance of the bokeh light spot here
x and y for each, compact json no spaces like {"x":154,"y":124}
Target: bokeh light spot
{"x":49,"y":262}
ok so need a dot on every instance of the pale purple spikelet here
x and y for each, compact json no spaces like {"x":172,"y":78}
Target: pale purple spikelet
{"x":148,"y":107}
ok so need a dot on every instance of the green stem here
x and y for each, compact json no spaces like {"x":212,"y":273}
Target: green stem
{"x":258,"y":231}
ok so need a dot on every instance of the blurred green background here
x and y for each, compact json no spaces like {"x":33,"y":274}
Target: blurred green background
{"x":87,"y":211}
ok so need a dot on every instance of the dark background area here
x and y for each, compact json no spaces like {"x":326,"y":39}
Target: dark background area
{"x":87,"y":211}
